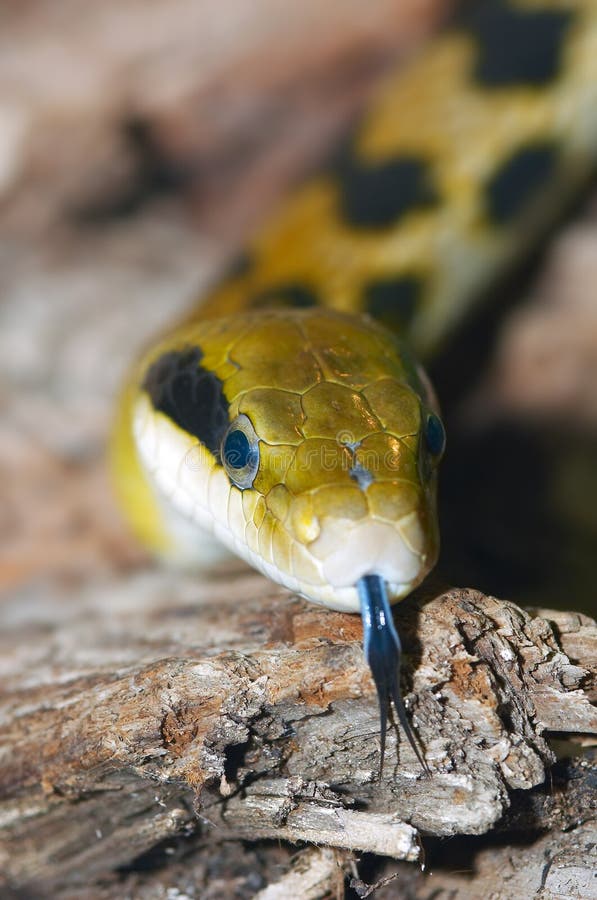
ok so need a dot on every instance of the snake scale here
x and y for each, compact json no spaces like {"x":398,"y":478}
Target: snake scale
{"x":287,"y":419}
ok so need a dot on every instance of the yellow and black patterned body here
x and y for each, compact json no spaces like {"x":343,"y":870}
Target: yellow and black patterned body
{"x":461,"y":161}
{"x":287,"y":417}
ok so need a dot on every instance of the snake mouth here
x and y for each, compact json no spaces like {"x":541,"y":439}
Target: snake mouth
{"x":383,"y":652}
{"x":349,"y":552}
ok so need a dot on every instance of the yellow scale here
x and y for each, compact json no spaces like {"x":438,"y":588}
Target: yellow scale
{"x":287,"y":420}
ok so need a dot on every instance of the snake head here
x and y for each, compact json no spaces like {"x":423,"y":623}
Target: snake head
{"x":305,"y":440}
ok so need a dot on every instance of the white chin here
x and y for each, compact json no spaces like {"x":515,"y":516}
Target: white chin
{"x":346,"y":554}
{"x":346,"y":599}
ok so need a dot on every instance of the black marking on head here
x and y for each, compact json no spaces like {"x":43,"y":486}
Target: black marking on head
{"x":377,"y":195}
{"x":281,"y":295}
{"x":517,"y":46}
{"x":518,"y":180}
{"x":393,"y":301}
{"x":190,"y":395}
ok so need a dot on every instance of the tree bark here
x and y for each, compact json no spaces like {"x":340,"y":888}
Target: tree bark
{"x":242,"y":717}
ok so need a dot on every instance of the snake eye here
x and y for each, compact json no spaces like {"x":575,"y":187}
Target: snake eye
{"x":240,"y":452}
{"x":435,"y":436}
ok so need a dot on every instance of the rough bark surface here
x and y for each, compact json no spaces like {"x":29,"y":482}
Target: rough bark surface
{"x":225,"y":714}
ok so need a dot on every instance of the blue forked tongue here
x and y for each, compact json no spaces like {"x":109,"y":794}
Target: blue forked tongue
{"x":383,"y":651}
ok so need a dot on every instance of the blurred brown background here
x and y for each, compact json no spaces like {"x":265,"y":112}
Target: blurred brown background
{"x":140,"y":142}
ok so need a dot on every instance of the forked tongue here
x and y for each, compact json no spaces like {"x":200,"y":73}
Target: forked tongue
{"x":383,"y":651}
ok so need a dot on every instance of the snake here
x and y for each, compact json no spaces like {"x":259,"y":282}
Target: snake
{"x":288,"y":419}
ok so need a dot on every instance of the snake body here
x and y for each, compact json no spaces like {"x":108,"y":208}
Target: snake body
{"x":287,"y":417}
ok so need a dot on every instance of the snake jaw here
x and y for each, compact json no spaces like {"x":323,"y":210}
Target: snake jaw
{"x":383,"y":652}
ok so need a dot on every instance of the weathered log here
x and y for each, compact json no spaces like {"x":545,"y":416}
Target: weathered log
{"x":218,"y":711}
